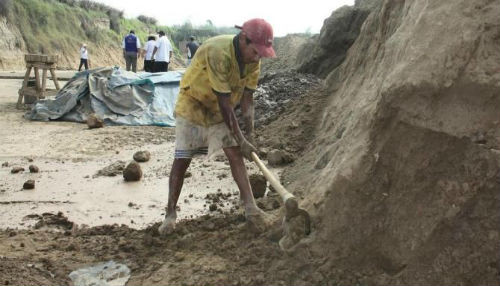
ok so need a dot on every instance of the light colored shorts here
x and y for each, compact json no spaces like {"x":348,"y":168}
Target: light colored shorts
{"x":192,"y":139}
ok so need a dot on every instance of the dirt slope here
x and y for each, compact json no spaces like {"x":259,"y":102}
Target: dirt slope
{"x":403,"y":175}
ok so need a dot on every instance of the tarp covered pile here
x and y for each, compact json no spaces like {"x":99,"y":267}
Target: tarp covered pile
{"x":116,"y":96}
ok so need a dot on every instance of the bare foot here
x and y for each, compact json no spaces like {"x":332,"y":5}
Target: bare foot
{"x":258,"y":221}
{"x":167,"y":227}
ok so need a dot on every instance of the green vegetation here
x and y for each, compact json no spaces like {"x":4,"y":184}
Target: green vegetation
{"x":203,"y":32}
{"x":49,"y":26}
{"x":5,"y":6}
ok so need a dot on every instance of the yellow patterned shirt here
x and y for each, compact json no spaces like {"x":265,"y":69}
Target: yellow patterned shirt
{"x":214,"y":68}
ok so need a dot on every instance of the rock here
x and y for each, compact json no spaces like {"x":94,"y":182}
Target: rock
{"x":112,"y":170}
{"x":94,"y":122}
{"x":34,"y":169}
{"x":29,"y":185}
{"x":212,"y":207}
{"x":279,"y":157}
{"x":132,"y":172}
{"x":259,"y":185}
{"x":142,"y":156}
{"x":16,"y":170}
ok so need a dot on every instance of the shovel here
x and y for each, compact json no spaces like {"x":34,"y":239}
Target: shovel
{"x":292,"y":209}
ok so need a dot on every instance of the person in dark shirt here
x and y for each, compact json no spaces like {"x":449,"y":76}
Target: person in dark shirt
{"x":191,"y":48}
{"x":131,"y":48}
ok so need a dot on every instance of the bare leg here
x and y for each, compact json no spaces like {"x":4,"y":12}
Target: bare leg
{"x":175,"y":182}
{"x":257,"y":220}
{"x":240,"y":175}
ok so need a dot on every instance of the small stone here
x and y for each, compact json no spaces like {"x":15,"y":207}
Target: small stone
{"x":132,"y":172}
{"x":16,"y":170}
{"x":112,"y":170}
{"x":259,"y":185}
{"x":188,"y":174}
{"x":34,"y":169}
{"x":94,"y":122}
{"x":142,"y":156}
{"x":29,"y":185}
{"x":212,"y":207}
{"x":279,"y":157}
{"x":5,"y":164}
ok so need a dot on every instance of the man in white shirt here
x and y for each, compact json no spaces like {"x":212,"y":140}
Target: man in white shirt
{"x":162,"y":53}
{"x":131,"y":47}
{"x":148,"y":54}
{"x":84,"y":57}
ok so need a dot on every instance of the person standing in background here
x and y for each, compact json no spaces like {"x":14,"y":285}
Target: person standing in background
{"x":84,"y":57}
{"x":148,"y":54}
{"x":163,"y":51}
{"x":192,"y":47}
{"x":131,"y":46}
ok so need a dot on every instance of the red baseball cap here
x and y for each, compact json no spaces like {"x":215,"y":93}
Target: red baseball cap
{"x":260,"y":33}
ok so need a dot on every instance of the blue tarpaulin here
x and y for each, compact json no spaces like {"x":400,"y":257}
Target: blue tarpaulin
{"x":116,"y":96}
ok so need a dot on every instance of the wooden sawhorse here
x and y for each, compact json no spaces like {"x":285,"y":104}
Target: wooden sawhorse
{"x":37,"y":62}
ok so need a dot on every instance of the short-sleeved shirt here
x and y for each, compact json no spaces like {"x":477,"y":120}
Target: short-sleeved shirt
{"x":83,"y":53}
{"x":192,"y":48}
{"x":164,"y":48}
{"x":150,"y":46}
{"x":217,"y":69}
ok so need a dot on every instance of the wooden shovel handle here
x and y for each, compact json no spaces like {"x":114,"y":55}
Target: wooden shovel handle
{"x":285,"y":195}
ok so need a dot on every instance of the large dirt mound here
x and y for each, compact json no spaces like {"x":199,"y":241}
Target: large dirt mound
{"x":404,"y":172}
{"x":324,"y":52}
{"x":287,"y":49}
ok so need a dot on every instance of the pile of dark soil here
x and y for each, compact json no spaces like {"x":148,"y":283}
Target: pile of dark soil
{"x":277,"y":90}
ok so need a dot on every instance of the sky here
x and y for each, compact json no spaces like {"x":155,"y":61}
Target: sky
{"x":285,"y":17}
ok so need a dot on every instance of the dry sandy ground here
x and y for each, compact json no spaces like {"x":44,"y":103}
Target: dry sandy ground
{"x":212,"y":249}
{"x":69,"y":155}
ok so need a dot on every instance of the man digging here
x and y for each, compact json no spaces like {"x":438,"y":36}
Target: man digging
{"x":223,"y":73}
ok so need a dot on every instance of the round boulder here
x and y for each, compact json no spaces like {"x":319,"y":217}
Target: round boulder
{"x":29,"y":185}
{"x":142,"y":156}
{"x":34,"y":169}
{"x":259,"y":185}
{"x":132,"y":172}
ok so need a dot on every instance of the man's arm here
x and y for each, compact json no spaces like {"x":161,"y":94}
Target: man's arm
{"x":227,"y":111}
{"x":154,"y":52}
{"x":138,"y":45}
{"x":247,"y":109}
{"x":123,"y":46}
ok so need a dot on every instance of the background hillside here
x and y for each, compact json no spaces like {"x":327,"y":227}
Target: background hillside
{"x":61,"y":26}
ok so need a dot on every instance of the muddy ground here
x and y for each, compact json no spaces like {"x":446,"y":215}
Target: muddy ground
{"x":76,"y":218}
